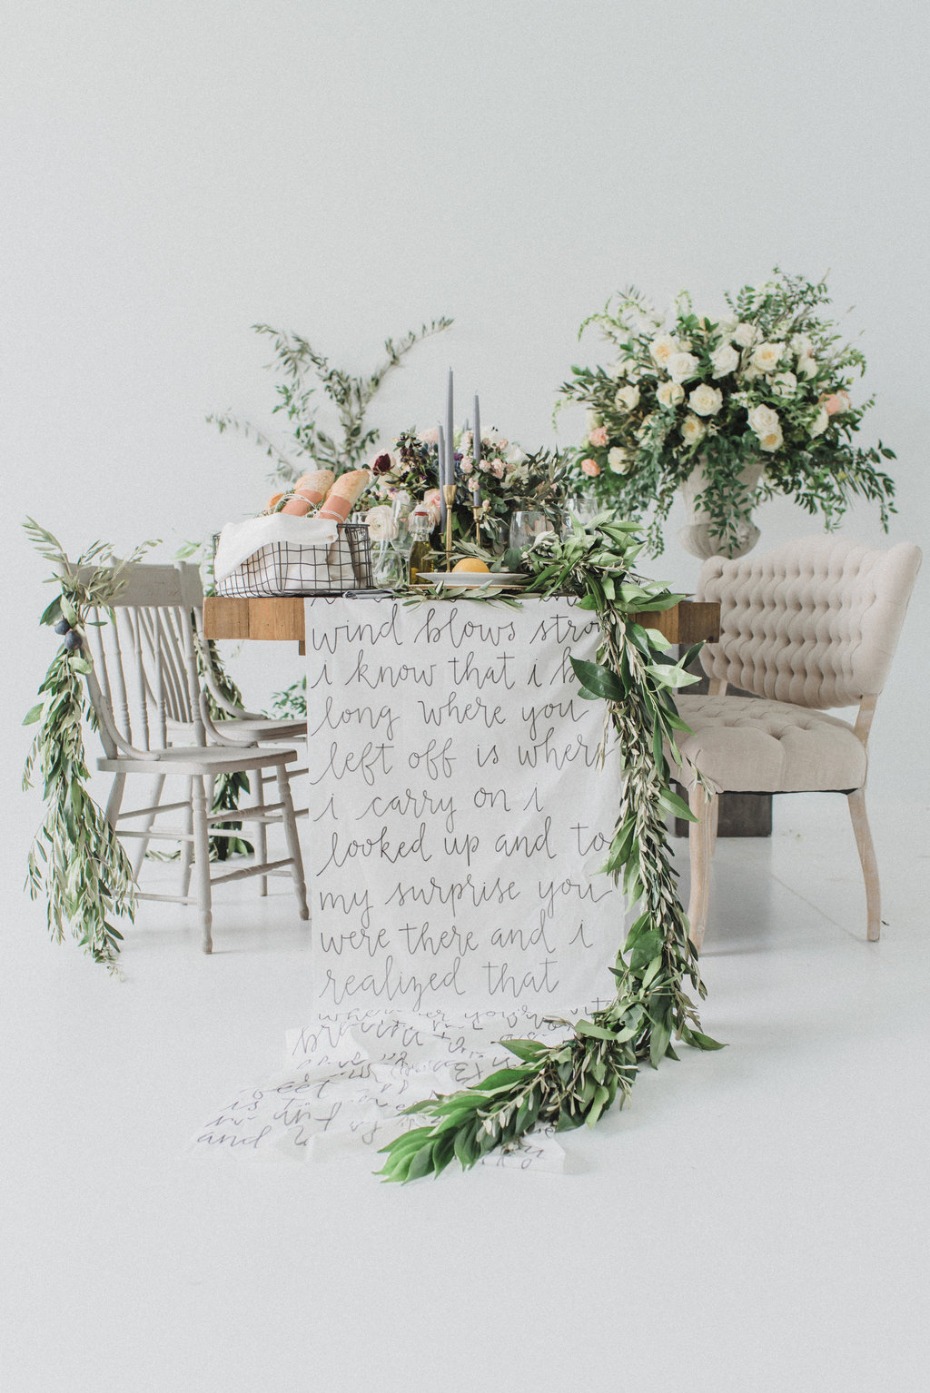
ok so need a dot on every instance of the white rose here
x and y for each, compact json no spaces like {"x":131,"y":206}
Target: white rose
{"x":785,"y":384}
{"x":763,"y":420}
{"x":767,"y":356}
{"x":514,"y":455}
{"x":381,"y":523}
{"x":820,"y":423}
{"x":807,"y":366}
{"x":618,"y":460}
{"x":692,"y":430}
{"x":662,"y":348}
{"x":801,"y":345}
{"x":670,"y":394}
{"x":706,"y":400}
{"x":681,"y":366}
{"x":765,"y":424}
{"x":745,"y":335}
{"x":724,"y":360}
{"x":627,"y":398}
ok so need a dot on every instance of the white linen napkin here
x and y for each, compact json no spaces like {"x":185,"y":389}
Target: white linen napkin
{"x":240,"y":540}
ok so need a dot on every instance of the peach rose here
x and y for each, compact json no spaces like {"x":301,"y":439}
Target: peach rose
{"x":598,"y":437}
{"x":590,"y":467}
{"x":839,"y":401}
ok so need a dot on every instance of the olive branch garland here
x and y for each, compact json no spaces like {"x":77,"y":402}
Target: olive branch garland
{"x":577,"y":1080}
{"x":76,"y":860}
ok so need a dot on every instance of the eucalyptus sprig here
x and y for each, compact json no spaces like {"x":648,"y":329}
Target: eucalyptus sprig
{"x":575,"y":1081}
{"x":304,"y":373}
{"x":76,"y":860}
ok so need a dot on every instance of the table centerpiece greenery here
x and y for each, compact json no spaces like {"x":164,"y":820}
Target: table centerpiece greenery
{"x":769,"y":384}
{"x":505,"y":476}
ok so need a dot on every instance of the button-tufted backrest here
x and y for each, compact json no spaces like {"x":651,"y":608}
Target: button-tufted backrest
{"x":814,"y":622}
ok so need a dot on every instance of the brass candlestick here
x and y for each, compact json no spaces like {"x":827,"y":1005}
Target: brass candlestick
{"x":448,"y":496}
{"x":476,"y":512}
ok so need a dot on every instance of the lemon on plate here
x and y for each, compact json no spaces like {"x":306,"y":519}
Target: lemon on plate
{"x":471,"y":563}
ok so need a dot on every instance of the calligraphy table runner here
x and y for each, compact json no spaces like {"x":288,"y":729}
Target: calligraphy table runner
{"x":460,"y":809}
{"x":459,"y":816}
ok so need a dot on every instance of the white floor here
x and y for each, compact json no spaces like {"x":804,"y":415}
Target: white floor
{"x":756,"y":1220}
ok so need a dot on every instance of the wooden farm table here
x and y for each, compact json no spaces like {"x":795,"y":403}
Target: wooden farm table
{"x":282,"y":618}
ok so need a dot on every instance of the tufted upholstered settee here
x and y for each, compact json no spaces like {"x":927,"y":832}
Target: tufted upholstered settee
{"x":811,"y":625}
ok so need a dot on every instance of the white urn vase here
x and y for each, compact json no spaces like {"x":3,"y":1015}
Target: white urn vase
{"x":699,"y":536}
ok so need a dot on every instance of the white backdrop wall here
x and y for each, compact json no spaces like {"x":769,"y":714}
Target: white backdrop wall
{"x":173,"y":173}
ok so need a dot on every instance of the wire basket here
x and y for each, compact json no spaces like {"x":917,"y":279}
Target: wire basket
{"x":287,"y":568}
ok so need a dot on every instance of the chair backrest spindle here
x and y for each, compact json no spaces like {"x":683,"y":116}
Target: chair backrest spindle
{"x":145,"y":686}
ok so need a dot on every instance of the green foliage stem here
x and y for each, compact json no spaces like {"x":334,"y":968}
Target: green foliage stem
{"x":574,"y":1082}
{"x":76,"y":862}
{"x":304,"y":373}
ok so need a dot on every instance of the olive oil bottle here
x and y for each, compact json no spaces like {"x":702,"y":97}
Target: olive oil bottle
{"x":420,"y":551}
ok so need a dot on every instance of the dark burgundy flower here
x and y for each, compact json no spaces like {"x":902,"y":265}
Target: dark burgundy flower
{"x":382,"y":465}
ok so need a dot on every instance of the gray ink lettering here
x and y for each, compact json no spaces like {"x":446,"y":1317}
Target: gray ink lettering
{"x":491,"y":798}
{"x":435,"y":760}
{"x":389,"y":674}
{"x":466,"y":669}
{"x":587,"y":845}
{"x":422,"y":938}
{"x":546,"y":751}
{"x":521,"y":842}
{"x":455,"y":711}
{"x":501,"y":981}
{"x":409,"y":804}
{"x":335,"y":715}
{"x":372,"y":759}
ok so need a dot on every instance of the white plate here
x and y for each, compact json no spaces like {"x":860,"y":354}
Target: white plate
{"x":469,"y":579}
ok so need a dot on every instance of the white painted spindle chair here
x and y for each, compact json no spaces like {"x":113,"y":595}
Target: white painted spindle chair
{"x":811,"y":625}
{"x":236,"y":723}
{"x":145,"y":695}
{"x":228,"y":722}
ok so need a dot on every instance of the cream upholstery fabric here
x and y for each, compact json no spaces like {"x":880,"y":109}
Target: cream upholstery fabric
{"x":745,"y":746}
{"x":814,"y":622}
{"x":811,"y":624}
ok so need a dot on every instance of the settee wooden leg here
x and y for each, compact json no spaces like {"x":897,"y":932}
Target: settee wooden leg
{"x":873,"y":899}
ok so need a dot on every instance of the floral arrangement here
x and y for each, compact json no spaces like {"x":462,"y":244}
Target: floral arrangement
{"x":769,"y":384}
{"x":504,"y":477}
{"x":576,"y":1080}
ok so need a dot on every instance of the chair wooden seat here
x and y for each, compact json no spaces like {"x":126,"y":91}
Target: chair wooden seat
{"x":195,"y":760}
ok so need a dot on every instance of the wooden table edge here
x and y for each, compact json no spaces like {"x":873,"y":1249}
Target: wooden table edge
{"x":281,"y":619}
